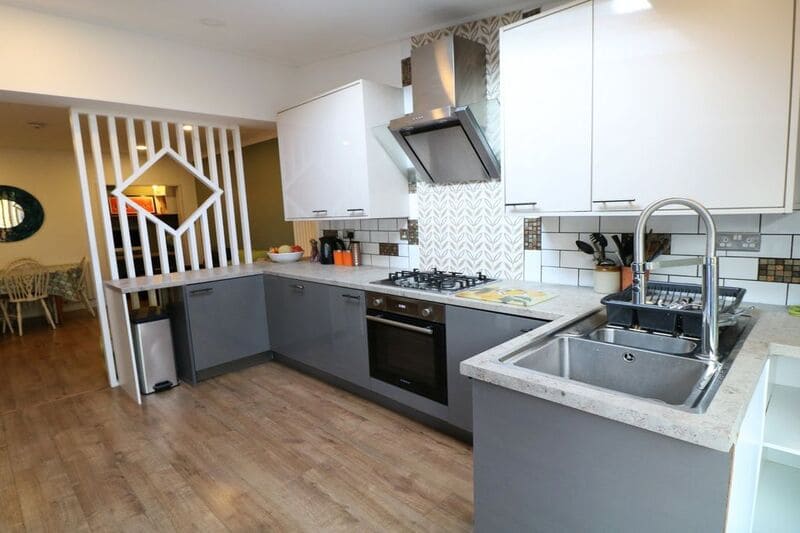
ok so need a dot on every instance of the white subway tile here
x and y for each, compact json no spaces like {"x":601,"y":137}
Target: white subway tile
{"x":789,"y":223}
{"x":580,"y":224}
{"x":378,"y":236}
{"x":413,"y":206}
{"x":337,"y":224}
{"x":362,"y":236}
{"x":688,"y":244}
{"x":387,"y":224}
{"x":617,"y":224}
{"x":550,"y":224}
{"x":561,"y":276}
{"x":763,"y":292}
{"x":576,"y":259}
{"x":353,"y":224}
{"x":402,"y":250}
{"x":402,"y":223}
{"x":796,"y":248}
{"x":393,"y":236}
{"x":694,"y":280}
{"x":659,"y":277}
{"x":398,"y":262}
{"x":366,"y":259}
{"x":551,"y":258}
{"x":673,"y":224}
{"x":413,"y":256}
{"x":380,"y":260}
{"x":794,"y":295}
{"x":771,"y":246}
{"x":533,"y":265}
{"x":676,"y":271}
{"x":746,"y":223}
{"x":586,"y":278}
{"x":738,"y":267}
{"x":324,"y":224}
{"x":370,"y":248}
{"x":369,"y":223}
{"x":559,"y":241}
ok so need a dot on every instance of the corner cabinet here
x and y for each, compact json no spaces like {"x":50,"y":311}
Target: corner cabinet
{"x":332,"y":166}
{"x":608,"y":106}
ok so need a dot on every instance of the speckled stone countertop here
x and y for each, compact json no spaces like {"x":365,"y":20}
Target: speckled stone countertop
{"x":775,"y":332}
{"x":569,"y":302}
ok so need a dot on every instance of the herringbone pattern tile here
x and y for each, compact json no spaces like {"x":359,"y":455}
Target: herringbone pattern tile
{"x":463,"y":227}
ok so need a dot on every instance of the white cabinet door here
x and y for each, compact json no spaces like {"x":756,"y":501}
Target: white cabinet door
{"x":691,"y":98}
{"x":546,"y":77}
{"x":322,"y":150}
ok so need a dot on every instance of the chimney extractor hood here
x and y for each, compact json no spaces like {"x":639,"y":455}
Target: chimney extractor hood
{"x":443,"y":137}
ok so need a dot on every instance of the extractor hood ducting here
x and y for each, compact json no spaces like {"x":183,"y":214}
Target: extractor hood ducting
{"x":443,"y":137}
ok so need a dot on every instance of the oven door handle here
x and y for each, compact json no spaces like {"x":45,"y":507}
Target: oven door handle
{"x":401,"y":325}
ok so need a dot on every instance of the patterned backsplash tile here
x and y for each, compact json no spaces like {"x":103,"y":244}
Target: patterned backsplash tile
{"x":779,"y":270}
{"x":533,"y":233}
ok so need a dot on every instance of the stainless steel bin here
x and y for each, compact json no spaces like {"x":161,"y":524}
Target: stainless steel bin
{"x":155,"y":355}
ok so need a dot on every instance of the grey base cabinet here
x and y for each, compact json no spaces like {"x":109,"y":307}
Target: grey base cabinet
{"x":541,"y":466}
{"x":218,"y":323}
{"x":470,"y":332}
{"x":321,"y":326}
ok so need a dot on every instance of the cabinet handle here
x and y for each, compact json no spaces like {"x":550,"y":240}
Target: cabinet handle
{"x":318,"y":211}
{"x":200,"y":292}
{"x":521,"y":204}
{"x":351,"y":297}
{"x":355,"y":210}
{"x":298,"y":287}
{"x":628,"y":201}
{"x":526,"y":330}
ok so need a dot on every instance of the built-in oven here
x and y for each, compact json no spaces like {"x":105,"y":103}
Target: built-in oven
{"x":407,"y":344}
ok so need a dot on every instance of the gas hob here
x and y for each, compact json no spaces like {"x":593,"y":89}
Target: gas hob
{"x":434,"y":280}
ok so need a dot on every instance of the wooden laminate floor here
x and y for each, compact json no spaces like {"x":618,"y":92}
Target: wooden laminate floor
{"x":265,"y":449}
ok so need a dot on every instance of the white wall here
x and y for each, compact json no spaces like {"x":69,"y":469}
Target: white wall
{"x":49,"y":55}
{"x":380,"y":64}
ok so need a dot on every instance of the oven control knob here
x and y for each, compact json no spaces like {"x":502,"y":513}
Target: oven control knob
{"x":377,"y":302}
{"x":426,"y":312}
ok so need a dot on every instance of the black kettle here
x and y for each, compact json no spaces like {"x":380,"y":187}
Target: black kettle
{"x":326,"y":247}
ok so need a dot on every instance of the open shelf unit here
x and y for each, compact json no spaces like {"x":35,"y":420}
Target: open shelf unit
{"x":777,"y":509}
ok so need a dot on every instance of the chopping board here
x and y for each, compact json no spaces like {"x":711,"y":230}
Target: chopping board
{"x":509,"y":296}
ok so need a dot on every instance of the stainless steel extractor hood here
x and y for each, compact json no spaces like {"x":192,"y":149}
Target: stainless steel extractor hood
{"x":443,"y":137}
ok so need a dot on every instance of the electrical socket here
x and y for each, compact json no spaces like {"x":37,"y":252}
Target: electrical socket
{"x":741,"y":242}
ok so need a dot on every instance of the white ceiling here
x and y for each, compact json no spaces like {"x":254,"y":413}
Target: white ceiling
{"x":54,"y":134}
{"x":290,"y":32}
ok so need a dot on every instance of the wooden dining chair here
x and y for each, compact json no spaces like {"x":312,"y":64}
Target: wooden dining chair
{"x":4,"y":309}
{"x":83,"y":285}
{"x":26,"y":282}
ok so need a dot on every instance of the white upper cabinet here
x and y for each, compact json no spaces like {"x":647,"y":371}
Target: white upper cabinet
{"x":692,"y":98}
{"x":546,"y":88}
{"x":331,"y":164}
{"x":609,"y":105}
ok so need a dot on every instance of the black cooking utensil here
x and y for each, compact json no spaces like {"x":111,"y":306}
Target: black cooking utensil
{"x":585,"y":247}
{"x":601,"y":243}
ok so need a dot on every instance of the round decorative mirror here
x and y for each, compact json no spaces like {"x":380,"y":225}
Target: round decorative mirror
{"x":21,"y":215}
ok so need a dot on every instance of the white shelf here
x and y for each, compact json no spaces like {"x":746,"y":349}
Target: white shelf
{"x":782,"y":429}
{"x":777,"y":510}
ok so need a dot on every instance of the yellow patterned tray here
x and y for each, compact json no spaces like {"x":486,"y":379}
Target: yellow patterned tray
{"x":520,"y":297}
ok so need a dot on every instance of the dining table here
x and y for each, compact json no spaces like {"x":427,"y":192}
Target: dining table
{"x":63,"y":284}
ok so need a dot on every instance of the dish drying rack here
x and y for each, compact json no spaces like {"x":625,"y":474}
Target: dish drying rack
{"x":673,"y":308}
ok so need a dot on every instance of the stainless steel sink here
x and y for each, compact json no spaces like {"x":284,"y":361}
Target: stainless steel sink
{"x":648,"y":374}
{"x":646,"y":365}
{"x":645,"y":341}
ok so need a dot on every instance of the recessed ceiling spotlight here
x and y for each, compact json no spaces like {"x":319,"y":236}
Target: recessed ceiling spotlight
{"x":141,"y":147}
{"x":187,"y":127}
{"x":35,"y":124}
{"x":212,"y":22}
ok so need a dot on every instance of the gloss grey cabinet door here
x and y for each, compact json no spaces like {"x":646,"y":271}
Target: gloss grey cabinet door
{"x":298,"y":319}
{"x":470,"y":332}
{"x":227,"y":320}
{"x":348,"y":357}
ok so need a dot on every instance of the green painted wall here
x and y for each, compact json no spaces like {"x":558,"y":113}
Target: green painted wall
{"x":264,"y":196}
